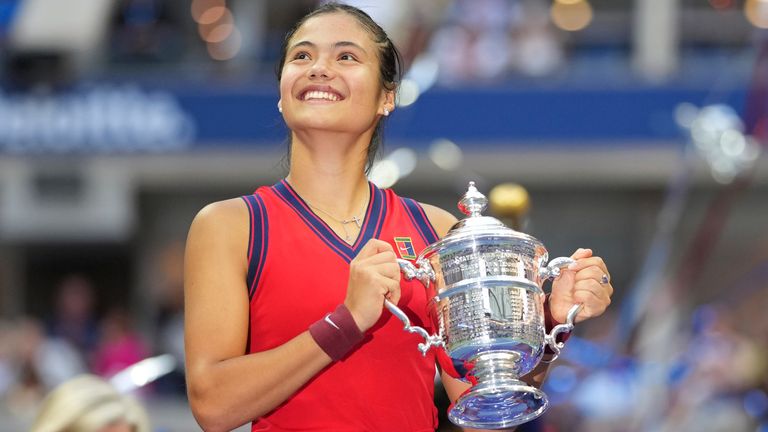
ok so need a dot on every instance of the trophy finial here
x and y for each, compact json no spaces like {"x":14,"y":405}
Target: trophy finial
{"x":473,"y":202}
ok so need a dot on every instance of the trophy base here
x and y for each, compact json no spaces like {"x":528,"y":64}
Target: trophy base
{"x":498,"y":405}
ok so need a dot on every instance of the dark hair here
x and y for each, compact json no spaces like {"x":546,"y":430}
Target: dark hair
{"x":390,"y":62}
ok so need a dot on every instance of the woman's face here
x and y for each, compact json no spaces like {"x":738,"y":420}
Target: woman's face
{"x":331,"y":79}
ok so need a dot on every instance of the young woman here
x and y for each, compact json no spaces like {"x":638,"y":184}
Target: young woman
{"x":285,"y":325}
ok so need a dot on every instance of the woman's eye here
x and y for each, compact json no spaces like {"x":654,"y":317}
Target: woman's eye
{"x":301,"y":56}
{"x":347,"y":56}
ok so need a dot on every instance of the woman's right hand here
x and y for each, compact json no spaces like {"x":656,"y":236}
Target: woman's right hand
{"x":374,"y":275}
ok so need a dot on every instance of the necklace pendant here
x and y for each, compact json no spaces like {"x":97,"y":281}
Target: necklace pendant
{"x":356,"y":220}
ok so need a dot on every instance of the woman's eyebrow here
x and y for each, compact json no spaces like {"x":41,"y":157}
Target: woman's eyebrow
{"x":342,"y":44}
{"x":339,"y":44}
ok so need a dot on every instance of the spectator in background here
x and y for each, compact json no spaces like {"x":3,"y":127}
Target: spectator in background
{"x":120,"y":345}
{"x":36,"y":363}
{"x":169,"y":296}
{"x":74,"y":318}
{"x":89,"y":404}
{"x":486,"y":40}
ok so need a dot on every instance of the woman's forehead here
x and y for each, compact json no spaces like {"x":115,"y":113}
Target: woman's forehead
{"x":331,"y":28}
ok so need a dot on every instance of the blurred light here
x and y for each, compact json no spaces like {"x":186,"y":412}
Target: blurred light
{"x":219,"y":33}
{"x":143,"y":373}
{"x":421,"y":76}
{"x":721,"y":4}
{"x":717,"y":133}
{"x":685,"y":114}
{"x":228,"y":48}
{"x":424,"y":71}
{"x":756,"y":12}
{"x":384,"y":173}
{"x":606,"y":394}
{"x":509,"y":200}
{"x":405,"y":159}
{"x":756,"y":403}
{"x":407,"y":93}
{"x":199,"y":7}
{"x":446,"y":154}
{"x":572,"y":15}
{"x":398,"y":164}
{"x":213,"y":32}
{"x":212,"y":15}
{"x":733,"y":142}
{"x":562,"y":379}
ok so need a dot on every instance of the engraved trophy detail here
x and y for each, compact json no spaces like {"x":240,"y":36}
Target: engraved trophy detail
{"x":485,"y":284}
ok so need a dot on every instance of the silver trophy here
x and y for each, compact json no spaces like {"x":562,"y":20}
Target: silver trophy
{"x":485,"y":285}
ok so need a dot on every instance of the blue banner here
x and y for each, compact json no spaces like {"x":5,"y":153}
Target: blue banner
{"x":118,"y":117}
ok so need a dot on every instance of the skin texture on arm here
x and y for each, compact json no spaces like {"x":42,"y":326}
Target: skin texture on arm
{"x":227,"y":388}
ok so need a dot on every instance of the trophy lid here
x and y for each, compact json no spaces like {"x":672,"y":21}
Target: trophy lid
{"x":472,"y":204}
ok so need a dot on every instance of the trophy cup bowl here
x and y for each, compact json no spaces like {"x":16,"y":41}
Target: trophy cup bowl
{"x":485,"y":285}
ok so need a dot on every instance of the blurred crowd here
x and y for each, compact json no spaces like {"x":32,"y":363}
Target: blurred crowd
{"x":686,"y":367}
{"x":85,"y":335}
{"x":469,"y":40}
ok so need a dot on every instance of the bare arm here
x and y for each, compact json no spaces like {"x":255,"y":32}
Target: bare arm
{"x":227,"y":388}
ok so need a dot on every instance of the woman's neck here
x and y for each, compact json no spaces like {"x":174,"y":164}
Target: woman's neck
{"x":328,"y":171}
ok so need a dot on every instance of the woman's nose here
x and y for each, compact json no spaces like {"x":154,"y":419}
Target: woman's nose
{"x":319,"y":70}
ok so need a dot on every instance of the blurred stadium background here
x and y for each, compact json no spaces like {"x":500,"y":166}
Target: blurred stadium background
{"x":635,"y":126}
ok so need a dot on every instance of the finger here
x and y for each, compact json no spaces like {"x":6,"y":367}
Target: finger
{"x":391,"y":290}
{"x":390,"y":270}
{"x":380,"y":258}
{"x":594,"y":274}
{"x":375,"y":246}
{"x":581,"y":253}
{"x":592,"y":295}
{"x":583,"y":263}
{"x":591,"y":272}
{"x":589,"y":309}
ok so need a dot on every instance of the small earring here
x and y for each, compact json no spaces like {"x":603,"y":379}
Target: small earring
{"x":386,"y":112}
{"x":279,"y":107}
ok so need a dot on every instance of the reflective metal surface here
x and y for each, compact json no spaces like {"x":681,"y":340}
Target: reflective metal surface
{"x":485,"y":281}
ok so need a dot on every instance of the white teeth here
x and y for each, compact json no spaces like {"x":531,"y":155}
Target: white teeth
{"x":315,"y":94}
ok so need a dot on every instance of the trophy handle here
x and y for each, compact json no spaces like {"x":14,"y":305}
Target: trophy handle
{"x":422,"y":271}
{"x":552,"y":270}
{"x":429,"y":340}
{"x":551,"y":338}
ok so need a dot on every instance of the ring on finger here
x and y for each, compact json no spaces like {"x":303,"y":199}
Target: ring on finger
{"x":605,"y":279}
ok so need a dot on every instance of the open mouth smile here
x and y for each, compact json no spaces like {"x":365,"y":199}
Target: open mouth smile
{"x":320,"y":95}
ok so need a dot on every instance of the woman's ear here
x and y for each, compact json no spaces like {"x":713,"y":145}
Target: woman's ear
{"x":389,"y":103}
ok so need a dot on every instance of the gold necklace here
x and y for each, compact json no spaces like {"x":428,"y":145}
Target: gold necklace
{"x":358,"y":220}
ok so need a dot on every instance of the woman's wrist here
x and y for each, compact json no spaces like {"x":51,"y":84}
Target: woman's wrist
{"x":550,"y":323}
{"x":337,"y":333}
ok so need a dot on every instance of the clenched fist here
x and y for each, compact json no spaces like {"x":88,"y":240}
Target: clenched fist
{"x":374,"y":275}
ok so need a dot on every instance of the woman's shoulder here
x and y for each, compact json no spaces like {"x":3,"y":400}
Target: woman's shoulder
{"x":225,"y":215}
{"x":441,"y":220}
{"x":232,"y":208}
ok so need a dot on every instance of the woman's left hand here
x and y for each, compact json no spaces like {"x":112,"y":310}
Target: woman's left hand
{"x":586,"y":282}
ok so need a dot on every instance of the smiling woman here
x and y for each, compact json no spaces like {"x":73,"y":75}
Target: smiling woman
{"x":285,"y":288}
{"x":357,"y":52}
